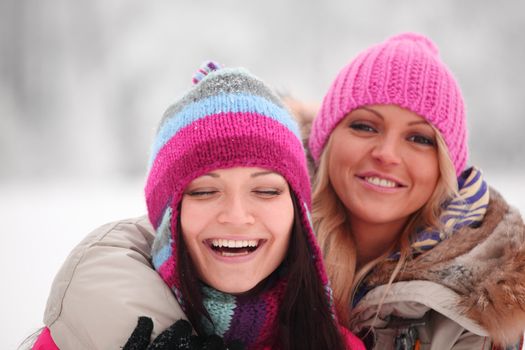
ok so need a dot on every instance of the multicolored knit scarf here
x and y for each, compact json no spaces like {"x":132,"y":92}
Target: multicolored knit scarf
{"x":250,"y":319}
{"x":467,"y":209}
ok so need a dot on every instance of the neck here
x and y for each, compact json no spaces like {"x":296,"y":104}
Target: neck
{"x":373,"y":240}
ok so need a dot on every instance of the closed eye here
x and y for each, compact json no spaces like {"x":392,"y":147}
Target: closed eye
{"x":201,"y":193}
{"x":267,"y":193}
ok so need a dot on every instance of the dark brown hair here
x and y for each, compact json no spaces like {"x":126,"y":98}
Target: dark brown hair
{"x":304,"y":320}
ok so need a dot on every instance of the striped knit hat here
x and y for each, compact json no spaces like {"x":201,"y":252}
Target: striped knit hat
{"x":405,"y":70}
{"x":228,"y":119}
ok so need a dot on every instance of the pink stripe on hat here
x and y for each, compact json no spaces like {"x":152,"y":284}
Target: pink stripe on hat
{"x":221,"y":141}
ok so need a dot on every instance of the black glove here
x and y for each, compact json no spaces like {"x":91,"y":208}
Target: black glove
{"x":139,"y":339}
{"x":176,"y":337}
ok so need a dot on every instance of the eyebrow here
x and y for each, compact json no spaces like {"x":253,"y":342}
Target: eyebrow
{"x":261,"y":173}
{"x":373,"y":112}
{"x":415,"y":122}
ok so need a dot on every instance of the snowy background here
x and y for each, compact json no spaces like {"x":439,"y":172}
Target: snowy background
{"x":84,"y":84}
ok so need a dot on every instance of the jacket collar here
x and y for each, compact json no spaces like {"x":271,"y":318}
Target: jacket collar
{"x":484,"y":266}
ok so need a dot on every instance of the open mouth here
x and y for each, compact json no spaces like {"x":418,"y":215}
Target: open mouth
{"x":229,"y":247}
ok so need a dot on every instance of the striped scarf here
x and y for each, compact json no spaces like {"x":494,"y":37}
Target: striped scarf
{"x":249,"y":319}
{"x":468,"y":209}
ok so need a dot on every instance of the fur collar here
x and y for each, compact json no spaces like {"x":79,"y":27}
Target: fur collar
{"x":485,"y":266}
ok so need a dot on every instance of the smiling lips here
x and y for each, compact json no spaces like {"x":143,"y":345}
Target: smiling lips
{"x":380,"y":181}
{"x":234,"y":248}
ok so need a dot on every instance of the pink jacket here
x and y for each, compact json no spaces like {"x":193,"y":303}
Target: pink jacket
{"x":45,"y":341}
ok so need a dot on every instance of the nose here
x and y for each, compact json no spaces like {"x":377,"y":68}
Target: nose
{"x":387,"y":151}
{"x":236,"y":210}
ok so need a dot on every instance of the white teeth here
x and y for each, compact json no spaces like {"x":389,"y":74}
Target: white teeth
{"x":230,"y":243}
{"x":380,"y":182}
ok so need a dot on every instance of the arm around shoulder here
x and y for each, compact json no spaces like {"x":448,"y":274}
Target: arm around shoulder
{"x":104,"y":285}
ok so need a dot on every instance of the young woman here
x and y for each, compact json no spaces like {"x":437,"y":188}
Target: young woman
{"x":420,"y":252}
{"x":228,"y":195}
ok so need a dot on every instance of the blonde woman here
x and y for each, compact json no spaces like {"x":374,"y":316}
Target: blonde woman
{"x":421,"y":253}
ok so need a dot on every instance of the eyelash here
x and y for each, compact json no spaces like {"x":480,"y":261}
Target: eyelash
{"x":268,"y":193}
{"x":265,"y":193}
{"x":423,"y":140}
{"x":199,"y":193}
{"x":362,"y":127}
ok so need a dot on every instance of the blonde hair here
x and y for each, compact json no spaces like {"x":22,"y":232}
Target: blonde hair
{"x":331,"y":223}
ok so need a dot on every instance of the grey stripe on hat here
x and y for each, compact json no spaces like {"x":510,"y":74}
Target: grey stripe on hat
{"x":223,"y":81}
{"x":163,"y":235}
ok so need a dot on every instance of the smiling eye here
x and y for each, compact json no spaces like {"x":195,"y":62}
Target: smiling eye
{"x":360,"y":126}
{"x":267,"y":193}
{"x":201,"y":193}
{"x":423,"y":140}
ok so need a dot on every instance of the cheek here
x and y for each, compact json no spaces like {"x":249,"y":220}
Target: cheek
{"x":341,"y":166}
{"x":428,"y":176}
{"x":279,"y":219}
{"x":192,"y":221}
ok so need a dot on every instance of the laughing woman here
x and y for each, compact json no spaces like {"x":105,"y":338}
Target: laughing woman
{"x":421,"y":253}
{"x":228,"y":195}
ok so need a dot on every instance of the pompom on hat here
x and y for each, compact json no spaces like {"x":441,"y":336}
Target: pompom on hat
{"x":406,"y":71}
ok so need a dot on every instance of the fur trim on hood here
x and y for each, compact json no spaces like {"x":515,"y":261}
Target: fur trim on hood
{"x":484,"y":265}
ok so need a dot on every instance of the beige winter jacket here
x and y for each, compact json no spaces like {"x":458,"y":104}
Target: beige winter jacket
{"x":468,"y":290}
{"x":465,"y":293}
{"x":104,"y":285}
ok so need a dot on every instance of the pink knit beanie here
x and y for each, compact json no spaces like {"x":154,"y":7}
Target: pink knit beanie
{"x":406,"y":71}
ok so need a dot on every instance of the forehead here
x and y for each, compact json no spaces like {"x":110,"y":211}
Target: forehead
{"x":240,"y":172}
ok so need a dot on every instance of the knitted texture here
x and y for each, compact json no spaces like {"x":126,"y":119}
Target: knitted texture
{"x":228,"y":119}
{"x":405,"y":70}
{"x":468,"y":209}
{"x":249,"y":319}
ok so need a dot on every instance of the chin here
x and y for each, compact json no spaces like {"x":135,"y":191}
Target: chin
{"x":233,"y":287}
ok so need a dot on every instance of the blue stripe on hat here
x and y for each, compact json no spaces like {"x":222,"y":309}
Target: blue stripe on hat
{"x":236,"y":102}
